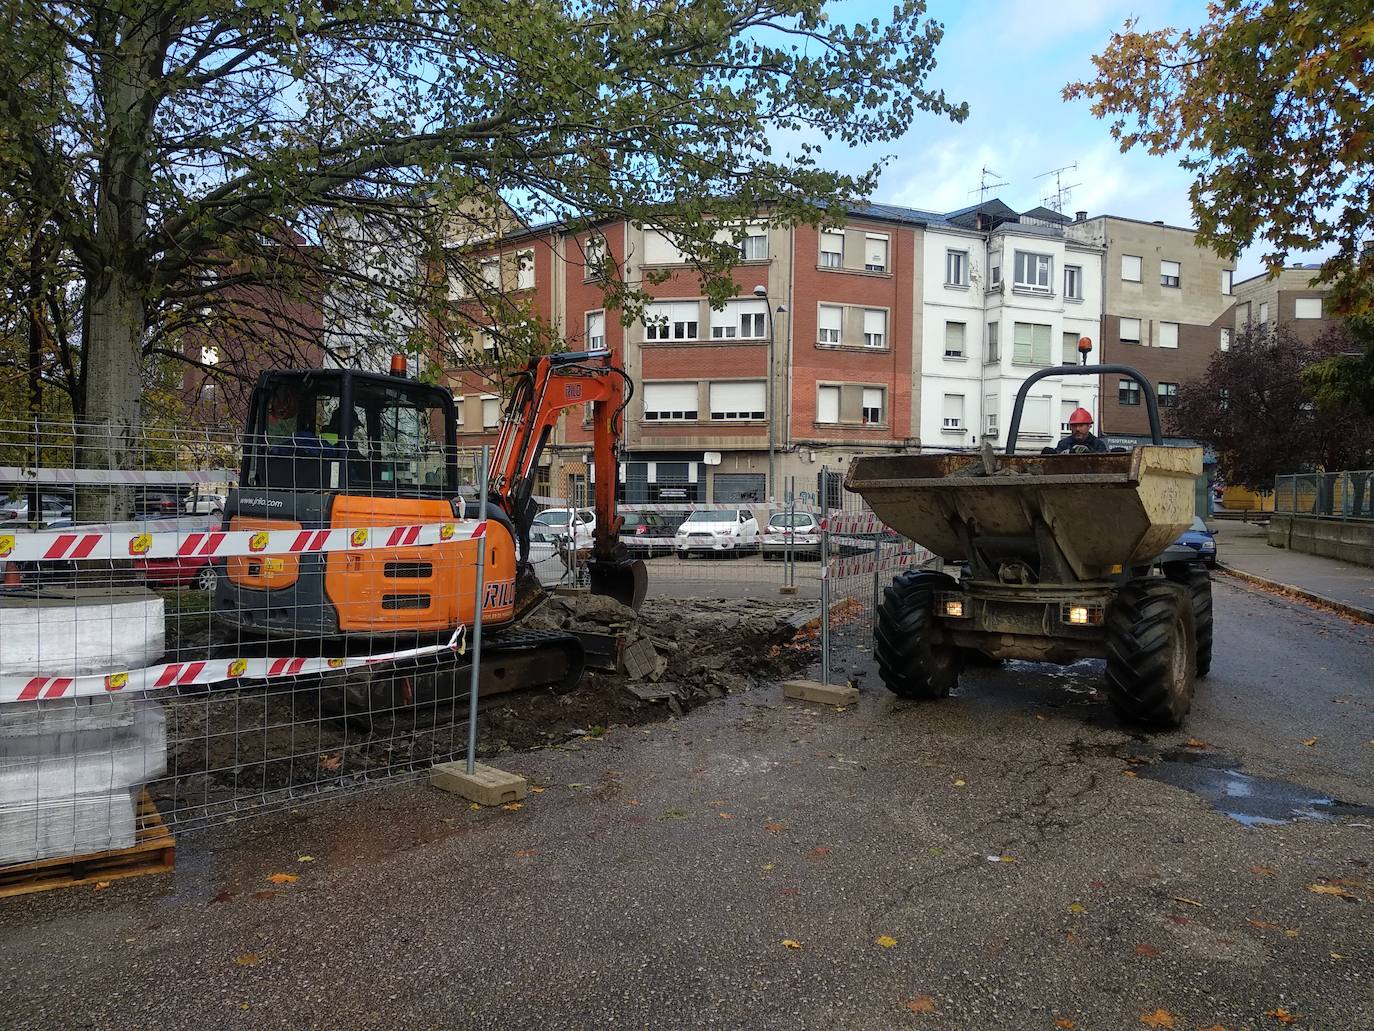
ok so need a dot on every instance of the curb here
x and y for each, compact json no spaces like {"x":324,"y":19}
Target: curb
{"x":1344,"y":608}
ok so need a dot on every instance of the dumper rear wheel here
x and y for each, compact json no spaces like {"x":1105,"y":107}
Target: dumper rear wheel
{"x":915,"y":660}
{"x":1194,"y":576}
{"x":1151,"y":652}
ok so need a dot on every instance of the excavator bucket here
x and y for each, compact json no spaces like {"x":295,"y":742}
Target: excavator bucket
{"x":626,"y":581}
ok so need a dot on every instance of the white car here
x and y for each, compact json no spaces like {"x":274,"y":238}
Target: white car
{"x":728,"y":532}
{"x":795,"y":533}
{"x":203,"y":504}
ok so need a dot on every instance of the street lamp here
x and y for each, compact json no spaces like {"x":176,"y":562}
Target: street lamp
{"x":761,"y":292}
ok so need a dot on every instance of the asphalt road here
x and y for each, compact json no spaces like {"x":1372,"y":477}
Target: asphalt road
{"x":1004,"y":859}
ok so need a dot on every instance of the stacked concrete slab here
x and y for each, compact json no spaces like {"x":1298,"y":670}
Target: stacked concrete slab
{"x":71,"y":769}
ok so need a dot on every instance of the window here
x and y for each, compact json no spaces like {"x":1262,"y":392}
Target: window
{"x":487,"y":338}
{"x":954,"y":339}
{"x":875,"y":327}
{"x":953,"y":412}
{"x":661,"y":248}
{"x":1169,"y":273}
{"x":754,"y":246}
{"x":1226,"y":277}
{"x":1130,"y":331}
{"x":1307,"y":308}
{"x":1073,"y":282}
{"x":827,"y":404}
{"x":671,"y":320}
{"x":1168,"y":394}
{"x":1032,"y":272}
{"x":875,"y":253}
{"x":829,"y":319}
{"x":1127,"y":392}
{"x":524,"y":270}
{"x":994,"y":342}
{"x":995,"y":270}
{"x":742,"y":320}
{"x":1030,"y":344}
{"x":1168,"y":334}
{"x":1264,"y":313}
{"x":1225,"y":340}
{"x":1130,"y":268}
{"x":990,"y":421}
{"x":832,"y":249}
{"x":491,"y":411}
{"x":594,"y":255}
{"x":491,"y":272}
{"x":733,"y":402}
{"x":1068,"y":349}
{"x":209,"y":355}
{"x":458,"y":410}
{"x":873,"y":406}
{"x":457,"y":284}
{"x":1035,"y":417}
{"x":1223,"y":398}
{"x":596,"y":330}
{"x":956,"y":268}
{"x":670,"y":402}
{"x":1066,"y":409}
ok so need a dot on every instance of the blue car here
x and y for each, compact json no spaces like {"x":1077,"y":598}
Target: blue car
{"x":1196,"y":543}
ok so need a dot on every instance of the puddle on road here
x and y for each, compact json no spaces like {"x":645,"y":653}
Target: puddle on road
{"x":1252,"y":801}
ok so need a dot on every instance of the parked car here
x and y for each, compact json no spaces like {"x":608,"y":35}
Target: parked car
{"x":197,"y":503}
{"x":188,"y":571}
{"x":53,"y":506}
{"x":1196,"y":544}
{"x":567,"y":523}
{"x":154,"y":504}
{"x":729,"y":532}
{"x":797,"y":532}
{"x":646,"y":534}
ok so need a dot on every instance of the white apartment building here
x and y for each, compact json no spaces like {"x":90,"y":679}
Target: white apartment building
{"x":1003,"y":295}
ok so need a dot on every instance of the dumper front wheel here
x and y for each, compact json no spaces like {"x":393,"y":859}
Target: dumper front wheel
{"x":1151,"y":652}
{"x":914,"y":657}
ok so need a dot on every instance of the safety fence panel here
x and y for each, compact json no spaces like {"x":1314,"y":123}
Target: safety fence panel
{"x":1345,"y":495}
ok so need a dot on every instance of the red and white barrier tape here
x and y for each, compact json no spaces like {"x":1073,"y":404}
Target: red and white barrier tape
{"x":856,"y":565}
{"x":116,"y":477}
{"x":166,"y":675}
{"x":81,"y":544}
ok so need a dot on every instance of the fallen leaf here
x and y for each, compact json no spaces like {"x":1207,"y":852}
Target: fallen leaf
{"x":1065,"y":1023}
{"x":1075,"y":908}
{"x":1309,"y":742}
{"x":283,"y":878}
{"x":331,"y":762}
{"x":305,"y":859}
{"x":727,"y":816}
{"x":820,"y":852}
{"x":960,"y":783}
{"x":1182,"y":921}
{"x":885,"y":940}
{"x":474,"y":805}
{"x":537,"y":790}
{"x":1337,"y":956}
{"x":1330,"y":889}
{"x":768,"y":866}
{"x":1071,"y":938}
{"x":1159,"y":1018}
{"x":248,"y":959}
{"x":1129,"y":773}
{"x":101,"y":885}
{"x":222,"y":896}
{"x":1292,"y":932}
{"x":1263,"y":871}
{"x":1281,"y":1015}
{"x":513,"y":807}
{"x":772,"y":828}
{"x":1214,"y":1027}
{"x":921,"y":1004}
{"x":1195,"y":742}
{"x":525,"y":853}
{"x":1187,"y":902}
{"x":1146,"y":950}
{"x":263,"y":895}
{"x":788,"y":943}
{"x":1263,"y":925}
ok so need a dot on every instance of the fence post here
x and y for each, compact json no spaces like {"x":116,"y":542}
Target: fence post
{"x":825,"y":583}
{"x":477,"y":616}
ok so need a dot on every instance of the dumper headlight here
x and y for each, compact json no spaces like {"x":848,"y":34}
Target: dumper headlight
{"x":1078,"y":614}
{"x":951,"y":606}
{"x":1081,"y":614}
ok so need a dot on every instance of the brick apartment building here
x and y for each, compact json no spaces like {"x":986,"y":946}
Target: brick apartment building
{"x":1290,"y":301}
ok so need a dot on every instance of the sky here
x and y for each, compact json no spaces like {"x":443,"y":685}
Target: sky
{"x":1009,"y":59}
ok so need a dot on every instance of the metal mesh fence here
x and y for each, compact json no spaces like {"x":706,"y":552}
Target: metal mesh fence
{"x":1339,"y":495}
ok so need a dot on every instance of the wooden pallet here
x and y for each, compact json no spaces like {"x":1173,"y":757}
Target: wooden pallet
{"x":153,"y":851}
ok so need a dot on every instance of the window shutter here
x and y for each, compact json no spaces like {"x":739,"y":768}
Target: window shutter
{"x":830,"y":316}
{"x":954,"y":411}
{"x":875,"y":251}
{"x":1130,"y":268}
{"x":738,"y":400}
{"x":954,"y":338}
{"x":665,"y":398}
{"x":1168,"y":334}
{"x":1035,"y":417}
{"x":828,"y":404}
{"x":1130,"y":330}
{"x":875,"y":321}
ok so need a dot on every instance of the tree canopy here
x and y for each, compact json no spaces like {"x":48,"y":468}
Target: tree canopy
{"x":1271,"y":106}
{"x":1253,"y":406}
{"x":167,"y":144}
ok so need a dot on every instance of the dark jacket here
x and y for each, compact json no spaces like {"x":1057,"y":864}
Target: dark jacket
{"x":1093,"y":445}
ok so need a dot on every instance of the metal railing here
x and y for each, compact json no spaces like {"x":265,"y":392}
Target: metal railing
{"x":1345,"y":495}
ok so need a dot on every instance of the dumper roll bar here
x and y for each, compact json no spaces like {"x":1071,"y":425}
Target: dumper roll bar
{"x":1146,"y":387}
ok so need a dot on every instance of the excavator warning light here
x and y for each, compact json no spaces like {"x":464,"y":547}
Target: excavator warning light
{"x":1085,"y":344}
{"x":398,"y":365}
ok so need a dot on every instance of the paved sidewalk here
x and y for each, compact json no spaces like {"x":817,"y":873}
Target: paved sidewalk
{"x":1244,"y":548}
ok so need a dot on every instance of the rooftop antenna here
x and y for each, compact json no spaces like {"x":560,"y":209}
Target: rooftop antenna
{"x":988,"y":180}
{"x":1057,"y":199}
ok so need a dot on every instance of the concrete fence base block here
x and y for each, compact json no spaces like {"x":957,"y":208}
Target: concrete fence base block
{"x":485,"y":785}
{"x":815,"y":691}
{"x":787,"y":589}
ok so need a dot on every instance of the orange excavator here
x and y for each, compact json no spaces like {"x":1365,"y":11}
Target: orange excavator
{"x":337,"y":448}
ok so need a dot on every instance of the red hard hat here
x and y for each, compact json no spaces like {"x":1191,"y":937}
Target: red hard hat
{"x":1080,"y":415}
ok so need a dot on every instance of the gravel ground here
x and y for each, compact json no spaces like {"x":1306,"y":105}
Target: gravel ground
{"x":1003,"y":859}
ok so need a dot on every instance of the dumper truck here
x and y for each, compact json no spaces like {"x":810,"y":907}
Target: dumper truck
{"x":1060,"y":559}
